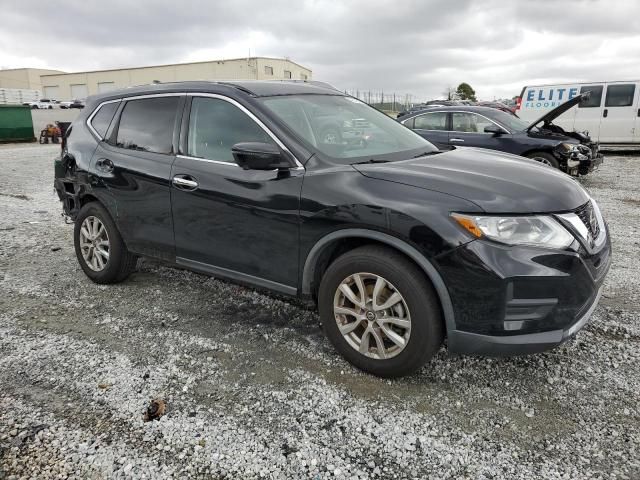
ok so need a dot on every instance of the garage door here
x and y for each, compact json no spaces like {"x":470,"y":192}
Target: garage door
{"x":79,"y":91}
{"x":106,"y":86}
{"x":51,"y":92}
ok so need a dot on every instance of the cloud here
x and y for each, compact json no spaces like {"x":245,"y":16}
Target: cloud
{"x":417,"y":47}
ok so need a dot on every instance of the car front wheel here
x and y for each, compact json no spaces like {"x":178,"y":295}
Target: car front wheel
{"x":100,"y":250}
{"x":545,"y":158}
{"x":380,"y":312}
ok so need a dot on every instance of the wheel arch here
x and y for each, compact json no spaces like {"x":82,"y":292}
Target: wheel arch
{"x":324,"y":248}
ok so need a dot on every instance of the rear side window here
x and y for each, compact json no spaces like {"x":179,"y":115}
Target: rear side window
{"x":102,"y":119}
{"x":595,"y":100}
{"x":216,"y":125}
{"x":431,"y":121}
{"x":620,"y":95}
{"x":147,"y":124}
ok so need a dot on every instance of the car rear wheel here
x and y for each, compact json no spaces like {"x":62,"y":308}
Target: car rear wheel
{"x":102,"y":254}
{"x":545,"y":158}
{"x":380,"y":312}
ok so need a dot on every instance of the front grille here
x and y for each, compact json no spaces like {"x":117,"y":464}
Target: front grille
{"x":587,"y":214}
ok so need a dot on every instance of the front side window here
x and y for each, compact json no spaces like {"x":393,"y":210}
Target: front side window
{"x":102,"y":119}
{"x":431,"y":121}
{"x":620,"y":95}
{"x":216,"y":125}
{"x":345,"y":128}
{"x":595,"y":100}
{"x":469,"y":122}
{"x":147,"y":124}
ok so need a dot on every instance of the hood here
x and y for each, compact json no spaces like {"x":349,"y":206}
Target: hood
{"x":551,"y":115}
{"x":495,"y":181}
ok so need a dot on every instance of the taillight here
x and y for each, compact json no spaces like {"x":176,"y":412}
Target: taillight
{"x":518,"y":102}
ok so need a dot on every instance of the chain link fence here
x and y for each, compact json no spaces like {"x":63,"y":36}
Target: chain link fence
{"x":385,"y":101}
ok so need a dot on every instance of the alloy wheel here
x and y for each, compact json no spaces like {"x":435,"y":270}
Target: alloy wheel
{"x":543,"y":160}
{"x":372,"y":315}
{"x":94,"y":243}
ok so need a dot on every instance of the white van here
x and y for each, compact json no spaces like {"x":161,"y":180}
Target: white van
{"x":611,"y":115}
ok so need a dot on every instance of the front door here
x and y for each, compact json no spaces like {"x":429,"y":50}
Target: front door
{"x":619,"y":113}
{"x":240,"y":224}
{"x":467,"y":130}
{"x":134,"y":164}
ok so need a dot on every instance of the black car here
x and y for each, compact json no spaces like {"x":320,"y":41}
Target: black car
{"x":398,"y":243}
{"x":475,"y":126}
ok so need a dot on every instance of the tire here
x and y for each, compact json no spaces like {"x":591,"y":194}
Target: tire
{"x":545,"y":158}
{"x":418,"y":303}
{"x":119,"y":263}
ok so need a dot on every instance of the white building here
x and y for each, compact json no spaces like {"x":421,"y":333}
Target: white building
{"x":68,"y":86}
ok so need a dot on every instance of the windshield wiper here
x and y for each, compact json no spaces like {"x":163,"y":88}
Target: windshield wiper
{"x":425,"y":154}
{"x":371,"y":160}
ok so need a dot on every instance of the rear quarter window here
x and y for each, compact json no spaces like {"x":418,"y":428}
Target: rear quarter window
{"x":102,"y":118}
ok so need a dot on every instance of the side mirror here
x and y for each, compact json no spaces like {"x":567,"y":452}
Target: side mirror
{"x":260,"y":156}
{"x":496,"y":130}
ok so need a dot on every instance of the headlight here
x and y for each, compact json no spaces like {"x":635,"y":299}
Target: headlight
{"x":540,"y":231}
{"x":567,"y":148}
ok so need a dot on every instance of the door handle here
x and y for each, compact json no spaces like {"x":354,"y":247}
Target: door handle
{"x":185,"y":182}
{"x":456,"y":140}
{"x":105,"y":165}
{"x":605,"y":112}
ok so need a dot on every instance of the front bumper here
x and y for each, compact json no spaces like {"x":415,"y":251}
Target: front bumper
{"x":477,"y":344}
{"x":520,"y":300}
{"x":590,"y":164}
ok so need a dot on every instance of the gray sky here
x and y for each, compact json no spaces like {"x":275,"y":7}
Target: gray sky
{"x":417,"y":47}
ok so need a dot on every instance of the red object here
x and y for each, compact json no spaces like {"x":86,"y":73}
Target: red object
{"x":518,"y":102}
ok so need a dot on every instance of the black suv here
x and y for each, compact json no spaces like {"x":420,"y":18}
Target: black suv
{"x":399,"y":244}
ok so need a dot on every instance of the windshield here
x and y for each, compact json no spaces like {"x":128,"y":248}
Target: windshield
{"x":509,"y":121}
{"x":346,"y":128}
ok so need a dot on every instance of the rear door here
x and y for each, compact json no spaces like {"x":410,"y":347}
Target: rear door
{"x":240,"y":224}
{"x":467,"y":130}
{"x":433,"y":126}
{"x":135,"y":166}
{"x":620,"y":113}
{"x":588,"y":115}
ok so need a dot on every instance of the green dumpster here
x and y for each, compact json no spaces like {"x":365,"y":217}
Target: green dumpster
{"x":16,"y":124}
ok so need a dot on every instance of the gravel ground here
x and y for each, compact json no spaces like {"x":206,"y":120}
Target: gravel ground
{"x":254,"y":390}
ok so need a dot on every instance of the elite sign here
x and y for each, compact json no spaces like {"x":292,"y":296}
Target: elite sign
{"x":548,"y":97}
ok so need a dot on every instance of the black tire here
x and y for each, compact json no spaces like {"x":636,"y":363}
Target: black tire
{"x":120,"y":263}
{"x":545,"y":158}
{"x":426,"y":334}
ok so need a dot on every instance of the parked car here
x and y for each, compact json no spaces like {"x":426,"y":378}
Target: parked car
{"x":66,"y":104}
{"x":611,"y":115}
{"x":43,"y":103}
{"x":571,"y":152}
{"x":500,"y":106}
{"x":77,"y":104}
{"x":398,"y":243}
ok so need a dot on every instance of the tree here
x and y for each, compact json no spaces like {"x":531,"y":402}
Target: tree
{"x":465,"y":92}
{"x":450,"y":93}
